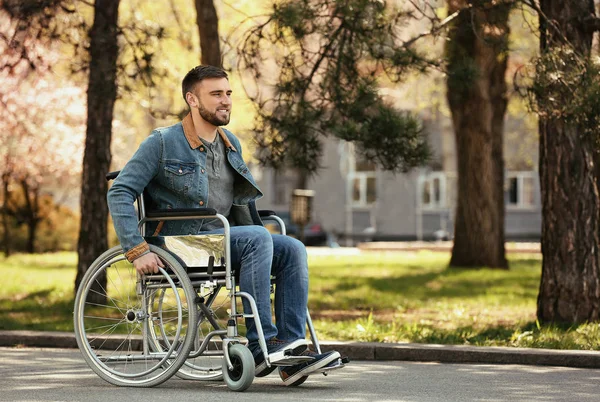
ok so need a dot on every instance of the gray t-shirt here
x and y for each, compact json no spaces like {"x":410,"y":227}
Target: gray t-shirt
{"x":220,"y":181}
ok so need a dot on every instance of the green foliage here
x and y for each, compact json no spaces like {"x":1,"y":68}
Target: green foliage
{"x":326,"y":58}
{"x":57,"y":229}
{"x":402,"y":148}
{"x":295,"y":17}
{"x":524,"y":335}
{"x":565,"y":87}
{"x":140,"y":54}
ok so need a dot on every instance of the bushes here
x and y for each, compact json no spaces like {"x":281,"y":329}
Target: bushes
{"x":57,"y":229}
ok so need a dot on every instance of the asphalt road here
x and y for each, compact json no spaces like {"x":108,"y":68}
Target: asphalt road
{"x":33,"y":374}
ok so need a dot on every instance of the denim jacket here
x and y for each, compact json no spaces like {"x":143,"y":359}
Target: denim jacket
{"x":170,"y":166}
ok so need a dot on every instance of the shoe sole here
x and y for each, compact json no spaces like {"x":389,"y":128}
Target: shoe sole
{"x":262,"y":370}
{"x":323,"y":370}
{"x":311,"y":368}
{"x":297,"y":347}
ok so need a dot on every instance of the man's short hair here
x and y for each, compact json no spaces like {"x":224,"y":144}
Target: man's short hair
{"x":199,"y":73}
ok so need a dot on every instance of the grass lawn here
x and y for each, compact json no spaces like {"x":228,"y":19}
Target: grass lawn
{"x":37,"y":291}
{"x":374,"y":296}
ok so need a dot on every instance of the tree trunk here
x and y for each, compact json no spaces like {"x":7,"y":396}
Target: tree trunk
{"x":5,"y":215}
{"x":301,"y":179}
{"x":31,"y":213}
{"x":476,"y":92}
{"x":570,"y":285}
{"x":208,"y":27}
{"x":31,"y":236}
{"x":499,"y":102}
{"x":101,"y":95}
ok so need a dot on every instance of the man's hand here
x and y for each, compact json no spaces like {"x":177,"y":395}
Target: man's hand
{"x":147,"y":264}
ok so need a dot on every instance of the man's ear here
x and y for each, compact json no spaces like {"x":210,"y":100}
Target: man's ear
{"x":191,"y":99}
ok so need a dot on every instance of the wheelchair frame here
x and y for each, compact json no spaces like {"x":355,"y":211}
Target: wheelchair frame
{"x":174,"y":295}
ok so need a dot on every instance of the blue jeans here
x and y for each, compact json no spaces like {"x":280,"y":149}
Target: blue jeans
{"x":257,"y":254}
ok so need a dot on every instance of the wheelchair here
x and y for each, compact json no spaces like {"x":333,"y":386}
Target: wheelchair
{"x":186,"y":320}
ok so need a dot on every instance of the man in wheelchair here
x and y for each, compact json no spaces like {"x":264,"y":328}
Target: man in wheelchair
{"x":196,"y":163}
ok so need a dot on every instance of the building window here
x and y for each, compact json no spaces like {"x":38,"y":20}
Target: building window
{"x":433,"y":191}
{"x":363,"y":181}
{"x":520,"y":188}
{"x":438,"y":190}
{"x":364,"y":192}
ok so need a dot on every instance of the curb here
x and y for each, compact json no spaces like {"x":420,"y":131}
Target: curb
{"x":376,"y":351}
{"x":466,"y":354}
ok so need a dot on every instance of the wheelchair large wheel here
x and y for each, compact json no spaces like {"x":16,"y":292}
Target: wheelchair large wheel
{"x":242,"y":375}
{"x":114,"y":311}
{"x":207,"y":365}
{"x":213,"y":312}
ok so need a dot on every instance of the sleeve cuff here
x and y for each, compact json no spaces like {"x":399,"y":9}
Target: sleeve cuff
{"x":137,"y":251}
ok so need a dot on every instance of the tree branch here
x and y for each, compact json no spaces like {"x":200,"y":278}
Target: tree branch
{"x":434,"y":30}
{"x":591,"y":23}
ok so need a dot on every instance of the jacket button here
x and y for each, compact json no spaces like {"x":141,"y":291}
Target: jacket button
{"x":201,"y":149}
{"x":201,"y":203}
{"x":202,"y":170}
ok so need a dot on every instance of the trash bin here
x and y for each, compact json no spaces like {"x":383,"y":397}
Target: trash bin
{"x":301,"y":209}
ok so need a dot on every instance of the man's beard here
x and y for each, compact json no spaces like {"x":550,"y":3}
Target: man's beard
{"x":212,"y":118}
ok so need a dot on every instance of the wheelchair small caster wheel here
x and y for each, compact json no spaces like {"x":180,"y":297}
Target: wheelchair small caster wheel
{"x":242,"y":375}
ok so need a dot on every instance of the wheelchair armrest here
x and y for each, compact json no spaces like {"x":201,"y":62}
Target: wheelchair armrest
{"x":181,"y":212}
{"x":112,"y":175}
{"x":265,"y":212}
{"x":272,"y":216}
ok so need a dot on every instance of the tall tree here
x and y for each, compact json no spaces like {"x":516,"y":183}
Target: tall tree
{"x":567,"y":91}
{"x":208,"y":27}
{"x":101,"y":94}
{"x":33,"y":104}
{"x":313,"y":67}
{"x":477,"y":54}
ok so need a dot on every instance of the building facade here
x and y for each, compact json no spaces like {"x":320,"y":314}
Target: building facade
{"x":355,"y":201}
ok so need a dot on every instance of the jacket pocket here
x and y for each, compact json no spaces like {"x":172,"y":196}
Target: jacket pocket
{"x":179,"y":176}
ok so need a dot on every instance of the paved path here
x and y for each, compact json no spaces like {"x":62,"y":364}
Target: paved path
{"x":377,"y":351}
{"x":34,"y":374}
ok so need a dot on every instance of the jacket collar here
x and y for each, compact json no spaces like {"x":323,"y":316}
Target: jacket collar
{"x":192,"y":138}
